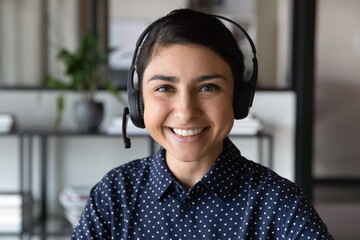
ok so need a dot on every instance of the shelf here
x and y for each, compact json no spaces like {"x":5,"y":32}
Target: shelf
{"x":55,"y":227}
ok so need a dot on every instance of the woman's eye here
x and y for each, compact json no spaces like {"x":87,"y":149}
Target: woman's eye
{"x":164,"y":89}
{"x":208,"y":87}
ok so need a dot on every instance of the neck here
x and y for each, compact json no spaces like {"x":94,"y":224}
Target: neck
{"x":189,"y":173}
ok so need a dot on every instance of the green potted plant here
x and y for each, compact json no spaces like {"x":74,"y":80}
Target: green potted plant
{"x":85,"y":68}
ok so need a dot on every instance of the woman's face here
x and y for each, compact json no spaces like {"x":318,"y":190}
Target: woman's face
{"x":188,"y":102}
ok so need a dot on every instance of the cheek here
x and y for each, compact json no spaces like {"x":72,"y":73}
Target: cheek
{"x":225,"y":104}
{"x":154,"y":112}
{"x":223,"y":112}
{"x":147,"y":111}
{"x":222,"y":109}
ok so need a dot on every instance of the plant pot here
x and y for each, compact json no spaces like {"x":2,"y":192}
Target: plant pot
{"x":89,"y":115}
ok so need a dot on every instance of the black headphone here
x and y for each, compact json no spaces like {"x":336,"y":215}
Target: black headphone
{"x":243,"y":97}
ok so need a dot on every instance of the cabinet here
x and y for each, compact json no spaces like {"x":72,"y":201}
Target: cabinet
{"x":35,"y":218}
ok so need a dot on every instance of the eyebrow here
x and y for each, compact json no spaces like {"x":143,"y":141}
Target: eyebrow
{"x":175,"y":79}
{"x":164,"y":78}
{"x":209,"y":77}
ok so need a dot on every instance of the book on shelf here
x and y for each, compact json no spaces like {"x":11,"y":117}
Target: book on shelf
{"x":10,"y":212}
{"x":7,"y":122}
{"x":73,"y":200}
{"x":247,"y":126}
{"x":10,"y":200}
{"x":10,"y":219}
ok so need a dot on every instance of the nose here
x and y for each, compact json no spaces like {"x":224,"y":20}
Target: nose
{"x":187,"y":107}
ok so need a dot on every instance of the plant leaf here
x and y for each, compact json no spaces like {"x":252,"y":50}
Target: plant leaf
{"x":60,"y":109}
{"x":51,"y":82}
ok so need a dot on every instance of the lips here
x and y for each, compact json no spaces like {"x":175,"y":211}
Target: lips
{"x":187,"y":132}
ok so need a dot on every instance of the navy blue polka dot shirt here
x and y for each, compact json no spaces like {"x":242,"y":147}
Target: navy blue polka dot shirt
{"x":236,"y":199}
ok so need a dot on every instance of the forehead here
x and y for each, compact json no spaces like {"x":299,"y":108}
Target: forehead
{"x":159,"y":49}
{"x":178,"y":56}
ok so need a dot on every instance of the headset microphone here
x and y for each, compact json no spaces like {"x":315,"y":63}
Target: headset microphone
{"x":126,"y":139}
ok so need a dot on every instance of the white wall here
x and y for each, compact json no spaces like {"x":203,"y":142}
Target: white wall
{"x":22,"y":24}
{"x":277,"y":111}
{"x":20,"y":38}
{"x":140,"y":8}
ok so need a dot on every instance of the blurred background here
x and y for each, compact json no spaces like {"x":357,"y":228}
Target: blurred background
{"x":306,"y":107}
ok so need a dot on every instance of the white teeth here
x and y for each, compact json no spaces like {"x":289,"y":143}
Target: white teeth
{"x":191,"y":132}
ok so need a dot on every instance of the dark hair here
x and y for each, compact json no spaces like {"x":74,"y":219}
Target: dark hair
{"x":185,"y":26}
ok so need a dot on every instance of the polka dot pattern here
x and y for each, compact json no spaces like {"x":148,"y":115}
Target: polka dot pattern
{"x":236,"y":199}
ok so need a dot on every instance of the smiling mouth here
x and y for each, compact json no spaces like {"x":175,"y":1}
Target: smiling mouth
{"x":187,"y":132}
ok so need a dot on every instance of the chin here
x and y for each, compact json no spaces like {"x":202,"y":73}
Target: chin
{"x":193,"y":153}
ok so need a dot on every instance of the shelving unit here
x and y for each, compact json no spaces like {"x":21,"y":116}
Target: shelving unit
{"x":17,"y":201}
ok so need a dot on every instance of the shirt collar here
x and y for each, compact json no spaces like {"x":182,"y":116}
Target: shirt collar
{"x":160,"y":176}
{"x":222,"y":175}
{"x":219,"y":179}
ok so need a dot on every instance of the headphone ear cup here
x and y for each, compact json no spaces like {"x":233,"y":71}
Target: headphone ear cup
{"x":243,"y":100}
{"x":140,"y":107}
{"x":135,"y":103}
{"x":244,"y":97}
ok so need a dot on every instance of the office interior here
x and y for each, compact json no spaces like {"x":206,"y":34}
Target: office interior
{"x":307,"y":100}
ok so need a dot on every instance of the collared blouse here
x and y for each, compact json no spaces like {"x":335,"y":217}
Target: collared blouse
{"x":236,"y":199}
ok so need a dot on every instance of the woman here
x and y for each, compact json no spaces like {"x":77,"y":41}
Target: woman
{"x":197,"y":186}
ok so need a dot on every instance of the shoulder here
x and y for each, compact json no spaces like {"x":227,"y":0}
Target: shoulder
{"x":139,"y":174}
{"x":259,"y":177}
{"x":269,"y":191}
{"x":127,"y":172}
{"x":122,"y":180}
{"x":254,"y":176}
{"x":130,"y":168}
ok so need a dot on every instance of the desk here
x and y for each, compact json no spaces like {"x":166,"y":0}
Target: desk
{"x":30,"y":221}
